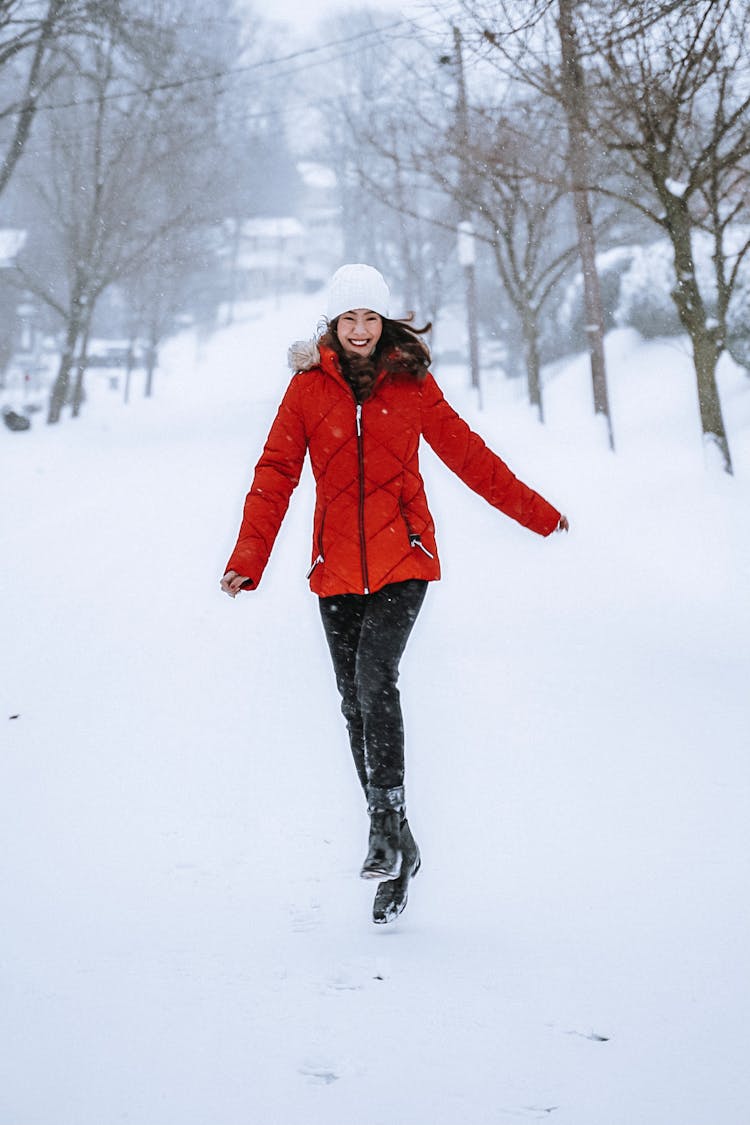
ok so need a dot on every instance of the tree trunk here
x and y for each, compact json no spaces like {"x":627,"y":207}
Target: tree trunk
{"x":234,"y":270}
{"x":148,"y":389}
{"x":573,"y":98}
{"x":712,"y":422}
{"x":531,"y":356}
{"x":61,"y":386}
{"x":704,"y":338}
{"x":151,"y":362}
{"x":592,"y":304}
{"x":129,"y":369}
{"x":81,"y":366}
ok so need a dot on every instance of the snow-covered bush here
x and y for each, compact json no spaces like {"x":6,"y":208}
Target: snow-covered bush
{"x":646,"y":303}
{"x":645,"y":300}
{"x":637,"y":283}
{"x":565,"y":332}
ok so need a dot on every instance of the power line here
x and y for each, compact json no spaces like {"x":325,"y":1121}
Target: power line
{"x":388,"y":32}
{"x":228,"y":72}
{"x":238,"y":113}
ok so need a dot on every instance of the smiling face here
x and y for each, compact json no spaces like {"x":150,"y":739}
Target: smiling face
{"x":358,"y":331}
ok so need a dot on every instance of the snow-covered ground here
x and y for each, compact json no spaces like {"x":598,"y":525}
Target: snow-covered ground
{"x":185,"y":940}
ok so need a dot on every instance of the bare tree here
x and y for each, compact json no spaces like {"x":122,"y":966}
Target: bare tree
{"x":673,"y":105}
{"x":420,"y":157}
{"x":130,"y":157}
{"x":523,"y":218}
{"x":375,"y":106}
{"x":499,"y":171}
{"x":572,"y":89}
{"x":36,"y":41}
{"x":498,"y":161}
{"x":536,"y":44}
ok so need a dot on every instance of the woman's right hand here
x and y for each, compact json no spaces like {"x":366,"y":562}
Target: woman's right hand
{"x":232,"y":583}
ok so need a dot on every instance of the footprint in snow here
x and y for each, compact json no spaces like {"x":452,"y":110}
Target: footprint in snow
{"x":353,"y":976}
{"x":344,"y":980}
{"x":319,"y":1075}
{"x":305,"y":918}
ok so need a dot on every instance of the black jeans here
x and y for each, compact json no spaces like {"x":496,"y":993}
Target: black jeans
{"x":367,"y":635}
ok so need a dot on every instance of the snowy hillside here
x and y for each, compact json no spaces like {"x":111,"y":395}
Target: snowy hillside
{"x":185,"y":940}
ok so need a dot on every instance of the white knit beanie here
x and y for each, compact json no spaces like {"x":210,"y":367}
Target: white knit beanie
{"x":357,"y":286}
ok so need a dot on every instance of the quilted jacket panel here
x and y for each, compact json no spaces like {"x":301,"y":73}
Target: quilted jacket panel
{"x":372,"y":524}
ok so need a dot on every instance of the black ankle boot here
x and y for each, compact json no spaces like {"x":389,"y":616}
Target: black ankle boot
{"x":391,"y":897}
{"x":386,"y":808}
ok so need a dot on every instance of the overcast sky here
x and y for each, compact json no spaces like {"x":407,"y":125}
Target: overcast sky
{"x":305,"y":14}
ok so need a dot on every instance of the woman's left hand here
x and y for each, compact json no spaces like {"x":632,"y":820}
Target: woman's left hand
{"x":563,"y":525}
{"x":232,"y":583}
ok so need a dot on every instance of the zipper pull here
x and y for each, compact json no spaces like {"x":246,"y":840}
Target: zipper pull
{"x":359,"y":419}
{"x":416,"y":541}
{"x":316,"y":562}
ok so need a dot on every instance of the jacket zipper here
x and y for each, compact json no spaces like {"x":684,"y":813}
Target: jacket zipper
{"x":361,"y":459}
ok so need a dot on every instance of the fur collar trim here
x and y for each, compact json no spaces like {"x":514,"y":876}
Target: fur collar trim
{"x":303,"y":355}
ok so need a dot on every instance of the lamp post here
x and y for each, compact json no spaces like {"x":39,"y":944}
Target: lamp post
{"x":466,"y":241}
{"x":467,"y":259}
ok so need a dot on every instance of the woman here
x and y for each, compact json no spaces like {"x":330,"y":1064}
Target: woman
{"x":360,"y":400}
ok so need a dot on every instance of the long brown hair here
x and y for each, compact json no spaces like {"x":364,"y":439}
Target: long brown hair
{"x":399,"y":351}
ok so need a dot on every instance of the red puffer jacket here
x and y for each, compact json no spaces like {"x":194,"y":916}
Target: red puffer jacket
{"x":372,"y":525}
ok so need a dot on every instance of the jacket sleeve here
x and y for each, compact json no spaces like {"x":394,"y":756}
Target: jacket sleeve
{"x":276,"y":476}
{"x":466,"y":454}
